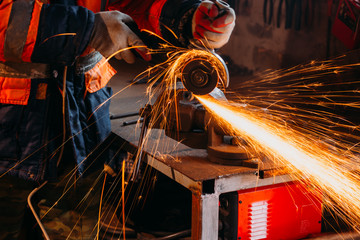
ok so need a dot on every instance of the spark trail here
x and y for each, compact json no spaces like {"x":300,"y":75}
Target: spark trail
{"x":299,"y":148}
{"x":296,"y":119}
{"x":325,"y":170}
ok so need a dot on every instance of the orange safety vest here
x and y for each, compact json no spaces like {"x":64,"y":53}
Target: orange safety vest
{"x":17,"y":90}
{"x":16,"y":47}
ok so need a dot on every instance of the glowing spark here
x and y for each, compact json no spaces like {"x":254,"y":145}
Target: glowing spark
{"x":123,"y":197}
{"x":306,"y":158}
{"x":100,"y":205}
{"x":325,"y":166}
{"x":59,"y":35}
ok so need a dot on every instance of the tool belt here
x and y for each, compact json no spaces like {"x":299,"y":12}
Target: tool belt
{"x":24,"y":70}
{"x":15,"y":77}
{"x":42,"y":70}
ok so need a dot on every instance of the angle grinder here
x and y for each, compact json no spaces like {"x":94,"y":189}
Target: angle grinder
{"x":202,"y":70}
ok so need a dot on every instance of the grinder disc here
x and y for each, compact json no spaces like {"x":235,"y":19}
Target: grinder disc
{"x":199,"y":76}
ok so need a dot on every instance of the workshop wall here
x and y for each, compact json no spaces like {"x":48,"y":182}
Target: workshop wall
{"x":258,"y":46}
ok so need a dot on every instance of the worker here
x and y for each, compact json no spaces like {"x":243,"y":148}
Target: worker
{"x":53,"y":76}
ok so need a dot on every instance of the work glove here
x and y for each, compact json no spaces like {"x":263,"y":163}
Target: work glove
{"x":111,"y":34}
{"x":213,"y":23}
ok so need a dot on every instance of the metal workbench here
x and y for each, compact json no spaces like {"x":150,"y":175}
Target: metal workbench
{"x":189,"y":167}
{"x":205,"y":180}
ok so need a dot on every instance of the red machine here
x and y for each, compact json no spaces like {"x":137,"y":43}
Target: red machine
{"x":281,"y":211}
{"x":346,"y":26}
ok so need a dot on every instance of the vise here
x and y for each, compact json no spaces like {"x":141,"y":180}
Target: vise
{"x":188,"y":122}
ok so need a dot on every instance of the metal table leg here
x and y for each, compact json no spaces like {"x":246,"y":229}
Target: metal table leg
{"x":205,"y":216}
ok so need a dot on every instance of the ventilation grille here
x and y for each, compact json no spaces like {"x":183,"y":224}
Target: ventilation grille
{"x":258,"y":220}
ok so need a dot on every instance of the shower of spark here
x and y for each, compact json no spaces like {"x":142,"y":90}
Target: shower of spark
{"x":164,"y":83}
{"x":283,"y":116}
{"x":295,"y":118}
{"x":321,"y":98}
{"x":325,"y":169}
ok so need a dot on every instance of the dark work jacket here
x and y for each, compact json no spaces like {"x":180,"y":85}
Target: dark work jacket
{"x":39,"y":44}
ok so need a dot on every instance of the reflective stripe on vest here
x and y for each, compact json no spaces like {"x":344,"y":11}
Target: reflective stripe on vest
{"x":32,"y":32}
{"x":25,"y":70}
{"x":20,"y":31}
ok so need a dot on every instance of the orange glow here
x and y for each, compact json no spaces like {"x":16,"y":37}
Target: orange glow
{"x":325,"y":169}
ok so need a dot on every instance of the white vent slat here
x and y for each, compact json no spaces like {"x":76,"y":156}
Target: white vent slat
{"x":258,"y":220}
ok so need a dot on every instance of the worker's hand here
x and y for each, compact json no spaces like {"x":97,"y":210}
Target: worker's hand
{"x":112,"y":35}
{"x":213,"y":23}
